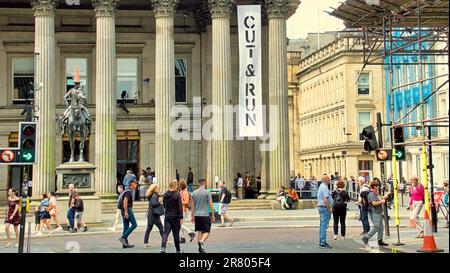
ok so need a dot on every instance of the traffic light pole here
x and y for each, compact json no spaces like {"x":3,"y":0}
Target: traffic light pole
{"x":430,"y":167}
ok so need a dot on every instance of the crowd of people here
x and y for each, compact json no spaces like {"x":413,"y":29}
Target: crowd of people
{"x":247,"y":187}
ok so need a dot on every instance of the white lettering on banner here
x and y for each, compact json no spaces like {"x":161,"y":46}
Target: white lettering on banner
{"x":250,"y":95}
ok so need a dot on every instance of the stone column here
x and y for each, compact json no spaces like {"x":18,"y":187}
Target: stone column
{"x":106,"y":99}
{"x":44,"y":169}
{"x":221,"y":90}
{"x":278,"y":93}
{"x":164,"y":90}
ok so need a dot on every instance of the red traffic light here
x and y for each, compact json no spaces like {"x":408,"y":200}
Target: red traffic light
{"x":383,"y":154}
{"x":28,"y":131}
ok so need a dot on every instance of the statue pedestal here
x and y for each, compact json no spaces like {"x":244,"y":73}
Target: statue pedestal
{"x":81,"y":174}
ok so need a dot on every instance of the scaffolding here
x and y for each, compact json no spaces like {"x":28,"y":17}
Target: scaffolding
{"x":414,"y":30}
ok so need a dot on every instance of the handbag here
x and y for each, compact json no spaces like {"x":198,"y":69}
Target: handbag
{"x":158,"y":211}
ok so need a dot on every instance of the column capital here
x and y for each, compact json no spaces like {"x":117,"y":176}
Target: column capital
{"x":105,"y":8}
{"x":220,"y":8}
{"x":164,"y":8}
{"x":276,"y":8}
{"x":44,"y":7}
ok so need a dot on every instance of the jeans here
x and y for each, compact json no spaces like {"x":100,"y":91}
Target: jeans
{"x":173,"y":225}
{"x":364,"y":217}
{"x":127,"y":229}
{"x":377,"y":221}
{"x":71,"y":217}
{"x":339,"y":216}
{"x":417,"y":207}
{"x":190,"y":188}
{"x":325,"y":216}
{"x":151,"y":221}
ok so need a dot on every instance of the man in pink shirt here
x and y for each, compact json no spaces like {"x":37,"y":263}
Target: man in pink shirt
{"x":417,"y":200}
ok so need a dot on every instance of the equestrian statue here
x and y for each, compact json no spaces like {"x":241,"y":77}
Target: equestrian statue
{"x":76,"y":118}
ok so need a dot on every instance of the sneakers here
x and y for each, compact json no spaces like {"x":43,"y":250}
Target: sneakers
{"x":325,"y":246}
{"x":365,"y":240}
{"x":74,"y":230}
{"x":182,"y":240}
{"x":201,"y":247}
{"x":191,"y":236}
{"x":335,"y":237}
{"x":163,"y":250}
{"x":85,"y":229}
{"x":419,"y":235}
{"x":180,"y":251}
{"x":123,"y":241}
{"x":222,"y":225}
{"x":58,"y":229}
{"x":381,"y":243}
{"x":147,"y":245}
{"x":127,"y":246}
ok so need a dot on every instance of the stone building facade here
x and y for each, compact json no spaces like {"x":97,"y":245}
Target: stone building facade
{"x":147,"y":56}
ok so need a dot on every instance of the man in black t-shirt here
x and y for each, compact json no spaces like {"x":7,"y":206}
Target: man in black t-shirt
{"x":126,"y":208}
{"x":225,"y":200}
{"x":190,"y":180}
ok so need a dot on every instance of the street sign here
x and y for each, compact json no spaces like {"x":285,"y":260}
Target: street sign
{"x":8,"y":155}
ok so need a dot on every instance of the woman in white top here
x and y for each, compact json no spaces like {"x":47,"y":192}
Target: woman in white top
{"x":54,"y":210}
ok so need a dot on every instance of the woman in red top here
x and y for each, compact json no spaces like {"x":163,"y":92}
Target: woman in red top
{"x":417,"y":200}
{"x":185,"y":202}
{"x":12,"y":217}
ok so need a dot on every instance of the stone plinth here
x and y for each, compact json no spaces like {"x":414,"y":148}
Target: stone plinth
{"x":81,"y":174}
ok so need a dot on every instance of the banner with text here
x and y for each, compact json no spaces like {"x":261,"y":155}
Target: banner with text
{"x":250,"y":91}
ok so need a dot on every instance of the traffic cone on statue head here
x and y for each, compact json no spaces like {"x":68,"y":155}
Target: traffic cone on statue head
{"x":76,"y":77}
{"x":412,"y":222}
{"x":429,"y":245}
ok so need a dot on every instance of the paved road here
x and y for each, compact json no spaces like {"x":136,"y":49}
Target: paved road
{"x":226,"y":240}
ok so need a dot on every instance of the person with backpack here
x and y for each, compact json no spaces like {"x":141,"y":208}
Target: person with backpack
{"x":125,"y":204}
{"x":225,"y":200}
{"x":376,"y":202}
{"x":173,"y":219}
{"x":154,"y":213}
{"x":186,"y":202}
{"x":340,"y":199}
{"x":363,"y":204}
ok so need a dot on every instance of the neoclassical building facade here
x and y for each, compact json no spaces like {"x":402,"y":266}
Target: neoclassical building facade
{"x":333,"y":105}
{"x":136,"y":60}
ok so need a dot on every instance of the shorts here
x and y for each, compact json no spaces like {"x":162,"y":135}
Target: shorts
{"x":37,"y":218}
{"x":223,"y":208}
{"x":44,"y":215}
{"x":79,"y":216}
{"x":203,"y":224}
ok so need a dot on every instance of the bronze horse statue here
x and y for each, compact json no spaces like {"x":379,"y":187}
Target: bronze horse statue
{"x":75,"y":119}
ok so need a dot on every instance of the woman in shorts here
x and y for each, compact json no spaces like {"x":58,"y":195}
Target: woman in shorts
{"x":44,"y":208}
{"x":12,"y":217}
{"x":54,"y":210}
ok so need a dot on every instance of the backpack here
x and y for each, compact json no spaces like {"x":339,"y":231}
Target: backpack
{"x":189,"y":204}
{"x":120,"y":199}
{"x":365,"y":200}
{"x":227,"y":199}
{"x":338,"y":201}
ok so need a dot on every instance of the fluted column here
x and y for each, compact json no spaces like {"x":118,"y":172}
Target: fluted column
{"x":105,"y":88}
{"x":278,"y":93}
{"x":221,"y":90}
{"x":164,"y":89}
{"x":44,"y":169}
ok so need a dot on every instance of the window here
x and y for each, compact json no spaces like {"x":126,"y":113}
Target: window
{"x":81,"y":64}
{"x":23,"y":77}
{"x":127,"y":78}
{"x":446,"y":164}
{"x":180,"y":80}
{"x":363,"y":121}
{"x":363,"y":84}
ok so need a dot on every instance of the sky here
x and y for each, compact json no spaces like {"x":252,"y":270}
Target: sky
{"x":305,"y":18}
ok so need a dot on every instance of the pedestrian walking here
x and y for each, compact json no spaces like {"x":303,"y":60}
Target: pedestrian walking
{"x":416,"y":201}
{"x":79,"y":209}
{"x":153,"y":213}
{"x":12,"y":217}
{"x":376,"y":202}
{"x":54,"y":210}
{"x":173,"y":211}
{"x":190,"y":180}
{"x":71,"y":211}
{"x":129,"y":177}
{"x":118,"y":212}
{"x":340,"y":199}
{"x":44,"y":212}
{"x":324,"y":202}
{"x":363,"y":204}
{"x":125,"y":203}
{"x":200,"y":216}
{"x":225,"y":200}
{"x":186,"y":204}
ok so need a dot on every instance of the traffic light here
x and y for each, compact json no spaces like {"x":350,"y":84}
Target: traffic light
{"x":383,"y":154}
{"x":370,"y":143}
{"x":27,"y":142}
{"x":400,"y":152}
